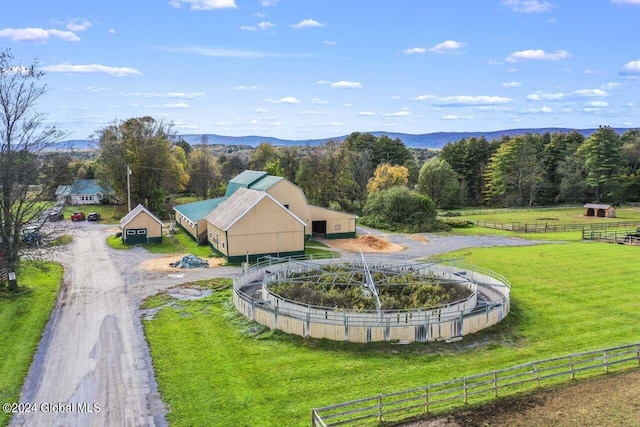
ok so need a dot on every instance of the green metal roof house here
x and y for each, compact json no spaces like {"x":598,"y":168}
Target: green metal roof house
{"x":88,"y":192}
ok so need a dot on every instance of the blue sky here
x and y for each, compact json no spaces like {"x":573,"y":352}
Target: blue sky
{"x":310,"y":69}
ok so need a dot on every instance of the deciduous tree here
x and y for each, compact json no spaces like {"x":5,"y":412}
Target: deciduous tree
{"x":438,"y":181}
{"x":387,"y":176}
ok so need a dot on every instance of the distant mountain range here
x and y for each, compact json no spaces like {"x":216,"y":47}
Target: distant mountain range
{"x":427,"y":140}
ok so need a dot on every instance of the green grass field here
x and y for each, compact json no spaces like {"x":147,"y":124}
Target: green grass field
{"x":216,"y":368}
{"x":22,"y":319}
{"x":179,"y":243}
{"x":109,"y":214}
{"x":552,"y":216}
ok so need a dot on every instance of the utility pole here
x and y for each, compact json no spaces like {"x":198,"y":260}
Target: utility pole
{"x":128,"y":189}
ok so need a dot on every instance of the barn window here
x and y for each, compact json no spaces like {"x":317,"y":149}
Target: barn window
{"x":131,"y":232}
{"x":143,"y":231}
{"x":336,"y":227}
{"x":222,"y":245}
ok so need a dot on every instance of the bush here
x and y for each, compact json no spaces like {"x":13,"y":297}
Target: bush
{"x":400,"y":209}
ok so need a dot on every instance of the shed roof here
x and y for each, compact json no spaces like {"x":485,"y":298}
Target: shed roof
{"x":87,"y":187}
{"x":238,"y":205}
{"x":199,"y":210}
{"x":597,"y":206}
{"x":243,"y":180}
{"x":265,"y":182}
{"x":63,"y":190}
{"x":134,"y":213}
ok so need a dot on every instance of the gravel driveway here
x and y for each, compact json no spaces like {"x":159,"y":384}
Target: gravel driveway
{"x":93,"y":350}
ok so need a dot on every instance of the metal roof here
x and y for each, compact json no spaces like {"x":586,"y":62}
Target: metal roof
{"x":238,"y":205}
{"x":196,"y":211}
{"x":134,"y":212}
{"x":596,"y":206}
{"x":265,"y":182}
{"x":87,"y":187}
{"x":243,"y":180}
{"x":63,"y":190}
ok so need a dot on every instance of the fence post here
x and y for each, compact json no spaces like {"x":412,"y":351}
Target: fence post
{"x":495,"y":384}
{"x":426,"y":398}
{"x":380,"y":408}
{"x":465,"y":390}
{"x":535,"y":368}
{"x":638,"y":352}
{"x":573,"y":373}
{"x":606,"y":364}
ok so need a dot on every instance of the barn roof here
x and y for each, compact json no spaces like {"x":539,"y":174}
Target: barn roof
{"x":265,"y":182}
{"x":87,"y":187}
{"x":134,"y":213}
{"x":244,"y":180}
{"x":63,"y":190}
{"x":238,"y":205}
{"x":597,"y":206}
{"x":199,"y":210}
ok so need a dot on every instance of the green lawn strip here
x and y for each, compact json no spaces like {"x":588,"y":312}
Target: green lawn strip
{"x":109,"y":214}
{"x":551,"y":237}
{"x":552,"y":216}
{"x":178,"y":243}
{"x":567,"y":298}
{"x":23,"y":317}
{"x":116,"y":243}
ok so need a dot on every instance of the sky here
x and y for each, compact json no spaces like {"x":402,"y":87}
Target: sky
{"x":302,"y":69}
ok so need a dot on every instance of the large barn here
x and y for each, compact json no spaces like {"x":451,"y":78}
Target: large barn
{"x":252,"y":223}
{"x":198,"y":218}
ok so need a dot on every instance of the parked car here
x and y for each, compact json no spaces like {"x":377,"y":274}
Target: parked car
{"x":93,"y":216}
{"x":77,"y":216}
{"x":56,"y":216}
{"x":32,"y":236}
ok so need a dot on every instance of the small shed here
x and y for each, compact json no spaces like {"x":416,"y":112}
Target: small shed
{"x":599,"y":211}
{"x":140,"y":226}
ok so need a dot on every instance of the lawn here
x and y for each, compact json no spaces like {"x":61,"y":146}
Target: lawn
{"x":314,"y":247}
{"x":179,"y":243}
{"x":23,"y":317}
{"x":216,"y":368}
{"x":109,"y":214}
{"x":552,"y":216}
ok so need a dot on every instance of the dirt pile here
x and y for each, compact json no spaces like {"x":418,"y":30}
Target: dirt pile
{"x":367,"y":243}
{"x":374,"y":242}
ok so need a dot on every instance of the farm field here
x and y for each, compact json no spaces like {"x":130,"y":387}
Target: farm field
{"x":551,"y":216}
{"x":216,"y":368}
{"x":22,"y":320}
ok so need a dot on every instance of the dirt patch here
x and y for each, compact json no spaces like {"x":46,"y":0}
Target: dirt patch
{"x":367,"y":243}
{"x":608,"y":401}
{"x":162,"y":264}
{"x":418,"y":238}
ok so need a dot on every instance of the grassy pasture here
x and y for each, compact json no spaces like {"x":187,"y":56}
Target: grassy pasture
{"x":552,"y":216}
{"x":216,"y":368}
{"x":23,"y":317}
{"x":109,"y":214}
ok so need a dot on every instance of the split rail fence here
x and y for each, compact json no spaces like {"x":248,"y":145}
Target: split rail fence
{"x":545,"y":227}
{"x":623,"y":237}
{"x":474,"y":389}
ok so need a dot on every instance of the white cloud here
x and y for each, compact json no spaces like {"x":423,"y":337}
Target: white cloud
{"x":538,"y":54}
{"x":265,"y":25}
{"x":512,"y":70}
{"x":627,"y":123}
{"x":366,"y":114}
{"x":402,"y":113}
{"x":245,"y":87}
{"x":330,"y":42}
{"x":528,"y":6}
{"x":37,"y":35}
{"x":395,"y":97}
{"x":205,"y":4}
{"x":597,"y":104}
{"x":337,"y":124}
{"x":231,"y":53}
{"x":494,"y":62}
{"x":462,"y":100}
{"x":261,"y":110}
{"x":78,"y":25}
{"x":626,"y":1}
{"x":552,"y":21}
{"x":172,"y":95}
{"x":536,"y":110}
{"x":178,"y":105}
{"x":414,"y":50}
{"x":581,"y":93}
{"x":307,"y":23}
{"x":610,"y":85}
{"x":347,"y":105}
{"x":322,"y":82}
{"x":629,"y":104}
{"x":631,"y":68}
{"x":112,"y":31}
{"x":511,"y":84}
{"x":311,"y":112}
{"x":286,"y":100}
{"x":446,"y":46}
{"x":456,"y":117}
{"x":268,"y":3}
{"x":342,"y":84}
{"x":92,"y":69}
{"x":248,"y":28}
{"x":319,"y":101}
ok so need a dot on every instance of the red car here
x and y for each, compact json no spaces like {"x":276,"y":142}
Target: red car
{"x":77,"y":216}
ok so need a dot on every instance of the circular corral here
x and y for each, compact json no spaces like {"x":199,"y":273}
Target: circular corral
{"x":485,"y":302}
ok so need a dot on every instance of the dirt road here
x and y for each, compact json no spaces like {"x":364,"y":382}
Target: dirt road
{"x":93,"y":361}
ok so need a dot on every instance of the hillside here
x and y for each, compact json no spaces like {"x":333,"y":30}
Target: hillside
{"x":433,"y":140}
